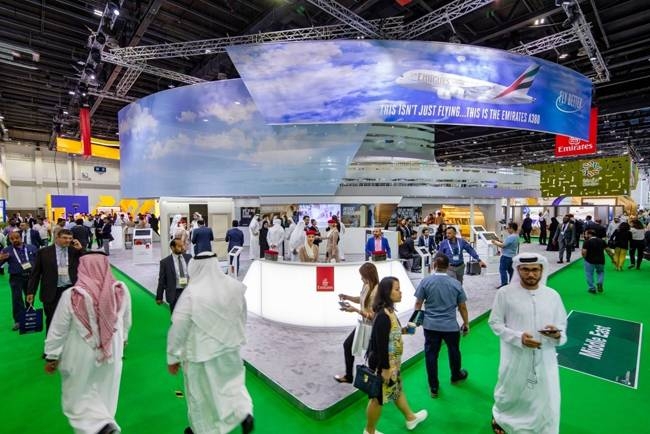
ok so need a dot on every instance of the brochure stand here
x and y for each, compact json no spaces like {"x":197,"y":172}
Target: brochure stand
{"x":485,"y":243}
{"x":233,"y":257}
{"x":143,"y":246}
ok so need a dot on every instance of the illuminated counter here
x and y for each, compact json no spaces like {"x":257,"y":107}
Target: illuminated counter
{"x":286,"y":292}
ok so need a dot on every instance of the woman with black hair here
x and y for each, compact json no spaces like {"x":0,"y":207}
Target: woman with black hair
{"x":264,"y":244}
{"x":620,"y":240}
{"x":551,"y":246}
{"x":385,"y":357}
{"x":637,"y":244}
{"x":440,"y":233}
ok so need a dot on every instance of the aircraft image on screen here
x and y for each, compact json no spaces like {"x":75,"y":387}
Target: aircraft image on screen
{"x":447,"y":86}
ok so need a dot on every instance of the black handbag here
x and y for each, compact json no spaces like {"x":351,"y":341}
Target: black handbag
{"x":368,"y":381}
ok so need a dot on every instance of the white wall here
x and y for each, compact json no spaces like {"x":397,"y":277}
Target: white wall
{"x":33,"y":174}
{"x":641,"y":194}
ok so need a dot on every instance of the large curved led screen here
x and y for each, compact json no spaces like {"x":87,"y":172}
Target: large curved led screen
{"x":209,"y":139}
{"x":366,"y":81}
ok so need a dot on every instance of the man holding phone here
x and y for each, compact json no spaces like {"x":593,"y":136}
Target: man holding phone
{"x":530,"y":320}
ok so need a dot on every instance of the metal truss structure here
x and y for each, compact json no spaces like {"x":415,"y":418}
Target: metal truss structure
{"x":390,"y":27}
{"x":128,"y":80}
{"x":149,"y":69}
{"x":546,"y":43}
{"x":110,"y":95}
{"x":441,"y":16}
{"x":582,"y":29}
{"x":348,"y":17}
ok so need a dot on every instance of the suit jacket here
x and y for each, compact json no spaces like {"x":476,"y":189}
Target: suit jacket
{"x":81,"y":233}
{"x":370,"y":247}
{"x":46,"y":272}
{"x":432,"y":243}
{"x":167,"y":278}
{"x":201,"y":238}
{"x":35,"y":238}
{"x":234,"y":237}
{"x":569,"y":234}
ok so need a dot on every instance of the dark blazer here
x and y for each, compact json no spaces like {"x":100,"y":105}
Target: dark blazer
{"x":81,"y":233}
{"x":234,"y":237}
{"x":106,"y":232}
{"x":201,"y":238}
{"x":167,"y":278}
{"x":569,"y":235}
{"x":432,"y":243}
{"x":370,"y":247}
{"x":46,"y":272}
{"x":35,"y":238}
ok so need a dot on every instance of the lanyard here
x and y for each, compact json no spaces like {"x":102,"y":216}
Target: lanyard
{"x":452,"y":249}
{"x":18,"y":257}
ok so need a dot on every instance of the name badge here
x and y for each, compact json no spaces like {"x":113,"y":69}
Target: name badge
{"x":455,"y":258}
{"x":26,"y":266}
{"x":182,"y":281}
{"x":63,"y":271}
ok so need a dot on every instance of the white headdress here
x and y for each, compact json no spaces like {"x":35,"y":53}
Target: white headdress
{"x":526,"y":259}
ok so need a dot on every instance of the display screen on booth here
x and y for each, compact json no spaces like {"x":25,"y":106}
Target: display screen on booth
{"x":142,"y":232}
{"x":321,"y":212}
{"x":490,"y":236}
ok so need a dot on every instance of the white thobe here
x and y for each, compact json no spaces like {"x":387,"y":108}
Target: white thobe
{"x":287,"y":236}
{"x":254,"y":240}
{"x":215,"y":381}
{"x":275,"y":237}
{"x":527,"y":394}
{"x":341,"y":241}
{"x":89,"y":391}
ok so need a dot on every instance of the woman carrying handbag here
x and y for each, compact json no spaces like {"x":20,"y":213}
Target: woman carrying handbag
{"x":356,"y":344}
{"x":385,"y":357}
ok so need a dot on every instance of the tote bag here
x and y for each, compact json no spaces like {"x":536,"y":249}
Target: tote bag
{"x":361,"y":339}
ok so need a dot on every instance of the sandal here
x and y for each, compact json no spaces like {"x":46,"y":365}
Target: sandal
{"x":496,"y":428}
{"x":342,"y":379}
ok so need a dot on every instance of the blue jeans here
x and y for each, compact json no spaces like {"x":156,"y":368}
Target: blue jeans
{"x":505,"y":269}
{"x":589,"y":274}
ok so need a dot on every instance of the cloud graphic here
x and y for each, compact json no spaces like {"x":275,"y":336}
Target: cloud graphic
{"x":161,"y":148}
{"x":187,"y":116}
{"x":234,"y":139}
{"x":137,"y":121}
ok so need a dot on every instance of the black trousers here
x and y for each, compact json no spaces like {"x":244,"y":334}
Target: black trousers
{"x":18,"y":284}
{"x":542,"y":234}
{"x":50,"y":307}
{"x":526,"y":233}
{"x":349,"y":358}
{"x":432,"y":343}
{"x":636,"y":250}
{"x":172,"y":303}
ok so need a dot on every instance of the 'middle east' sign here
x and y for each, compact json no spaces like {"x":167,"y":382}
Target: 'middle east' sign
{"x":604,"y":347}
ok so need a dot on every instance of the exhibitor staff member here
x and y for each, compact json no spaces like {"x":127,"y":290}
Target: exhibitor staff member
{"x":452,"y":247}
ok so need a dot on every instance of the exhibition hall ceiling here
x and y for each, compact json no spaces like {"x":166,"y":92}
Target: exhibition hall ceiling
{"x":45,"y":51}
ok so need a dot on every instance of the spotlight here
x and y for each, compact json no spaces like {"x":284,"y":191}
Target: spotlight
{"x":96,"y":54}
{"x":98,"y":13}
{"x":563,"y":56}
{"x":71,"y":92}
{"x":100,"y":38}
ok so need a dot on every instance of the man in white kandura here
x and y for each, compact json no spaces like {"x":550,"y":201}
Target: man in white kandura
{"x":275,"y":236}
{"x":206,"y":335}
{"x":531,"y":321}
{"x":254,"y":237}
{"x":86,"y":342}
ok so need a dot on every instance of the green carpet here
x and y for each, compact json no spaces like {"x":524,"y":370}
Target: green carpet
{"x":31,"y":399}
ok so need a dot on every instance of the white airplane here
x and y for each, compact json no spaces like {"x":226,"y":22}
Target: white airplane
{"x":449,"y":86}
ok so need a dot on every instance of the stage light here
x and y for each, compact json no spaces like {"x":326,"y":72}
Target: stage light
{"x":71,"y":92}
{"x":100,"y":38}
{"x":563,"y":56}
{"x":96,"y":54}
{"x":98,"y":13}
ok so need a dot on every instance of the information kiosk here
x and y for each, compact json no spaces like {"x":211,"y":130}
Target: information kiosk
{"x":143,"y":246}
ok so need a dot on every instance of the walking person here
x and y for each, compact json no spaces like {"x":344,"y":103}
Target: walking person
{"x":106,"y":235}
{"x":551,"y":245}
{"x":385,"y":357}
{"x":86,"y":343}
{"x":593,"y":251}
{"x":620,"y":242}
{"x":234,"y":238}
{"x":21,"y":258}
{"x":530,"y":320}
{"x":442,"y":296}
{"x":543,"y":235}
{"x":637,"y":244}
{"x":173,"y":274}
{"x":509,"y":249}
{"x":356,"y":344}
{"x":206,"y":336}
{"x":453,"y":248}
{"x":564,"y":238}
{"x":527,"y":228}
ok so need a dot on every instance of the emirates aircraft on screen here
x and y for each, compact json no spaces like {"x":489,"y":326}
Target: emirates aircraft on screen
{"x":447,"y":86}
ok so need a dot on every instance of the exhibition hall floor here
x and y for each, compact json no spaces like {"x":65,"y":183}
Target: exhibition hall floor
{"x":287,"y":356}
{"x":31,"y":399}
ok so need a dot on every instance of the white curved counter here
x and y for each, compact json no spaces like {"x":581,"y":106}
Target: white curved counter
{"x":286,"y":292}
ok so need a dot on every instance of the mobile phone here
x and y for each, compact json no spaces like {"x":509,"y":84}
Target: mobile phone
{"x":548,"y":332}
{"x":344,"y":304}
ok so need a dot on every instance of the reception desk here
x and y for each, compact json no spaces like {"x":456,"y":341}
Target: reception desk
{"x":286,"y":292}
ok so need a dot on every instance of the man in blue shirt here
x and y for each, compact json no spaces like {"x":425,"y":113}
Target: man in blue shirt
{"x":21,"y":258}
{"x":442,"y":295}
{"x":377,"y":244}
{"x":453,"y":248}
{"x":509,"y":249}
{"x":234,"y":237}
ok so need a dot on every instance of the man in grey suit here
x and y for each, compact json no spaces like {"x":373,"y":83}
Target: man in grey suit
{"x":565,"y":237}
{"x":173,"y":276}
{"x":201,"y":238}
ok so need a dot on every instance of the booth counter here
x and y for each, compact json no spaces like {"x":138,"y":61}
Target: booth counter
{"x":286,"y":292}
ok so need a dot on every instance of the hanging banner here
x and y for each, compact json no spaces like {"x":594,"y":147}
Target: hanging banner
{"x":370,"y":81}
{"x":84,"y":131}
{"x":324,"y":279}
{"x":572,"y":146}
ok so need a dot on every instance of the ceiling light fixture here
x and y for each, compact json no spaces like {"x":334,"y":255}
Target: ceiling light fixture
{"x":98,"y":13}
{"x":563,"y":56}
